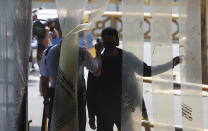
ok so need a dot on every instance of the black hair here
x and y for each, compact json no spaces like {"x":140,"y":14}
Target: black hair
{"x":50,"y":21}
{"x":110,"y":31}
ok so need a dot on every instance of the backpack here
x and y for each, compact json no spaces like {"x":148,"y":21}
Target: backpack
{"x":39,"y":29}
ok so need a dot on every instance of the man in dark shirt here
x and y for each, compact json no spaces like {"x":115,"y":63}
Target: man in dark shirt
{"x":105,"y":96}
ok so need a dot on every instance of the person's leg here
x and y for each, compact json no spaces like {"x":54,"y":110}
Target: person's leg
{"x":51,"y":95}
{"x":118,"y":121}
{"x":50,"y":113}
{"x":82,"y":109}
{"x":104,"y":124}
{"x":144,"y":110}
{"x":40,"y":87}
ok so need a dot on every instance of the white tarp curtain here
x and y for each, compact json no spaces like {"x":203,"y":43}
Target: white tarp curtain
{"x":70,"y":14}
{"x":15,"y":35}
{"x":190,"y":70}
{"x":161,"y":53}
{"x":133,"y":41}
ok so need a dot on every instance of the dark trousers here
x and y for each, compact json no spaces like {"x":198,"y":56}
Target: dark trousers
{"x":108,"y":114}
{"x":106,"y":124}
{"x":106,"y":118}
{"x":144,"y":110}
{"x":82,"y":108}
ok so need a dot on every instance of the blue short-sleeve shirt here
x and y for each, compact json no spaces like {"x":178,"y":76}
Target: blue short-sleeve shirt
{"x":49,"y":63}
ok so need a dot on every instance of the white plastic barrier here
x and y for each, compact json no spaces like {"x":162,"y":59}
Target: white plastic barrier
{"x":161,"y":53}
{"x":190,"y":71}
{"x":133,"y":44}
{"x":70,"y":14}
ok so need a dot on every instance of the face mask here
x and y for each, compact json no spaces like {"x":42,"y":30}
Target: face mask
{"x":51,"y":29}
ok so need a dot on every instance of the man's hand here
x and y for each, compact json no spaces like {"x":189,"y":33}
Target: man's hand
{"x":92,"y":123}
{"x":56,"y":32}
{"x":176,"y":61}
{"x":46,"y":38}
{"x":47,"y":29}
{"x":99,"y":47}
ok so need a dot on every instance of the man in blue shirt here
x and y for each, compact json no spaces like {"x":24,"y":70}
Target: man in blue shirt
{"x":49,"y":69}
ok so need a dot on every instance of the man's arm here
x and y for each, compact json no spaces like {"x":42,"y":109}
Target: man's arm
{"x":44,"y":79}
{"x":147,"y":71}
{"x":99,"y":48}
{"x":56,"y":33}
{"x":136,"y":64}
{"x":46,"y":38}
{"x":165,"y":67}
{"x":94,"y":65}
{"x":98,"y":71}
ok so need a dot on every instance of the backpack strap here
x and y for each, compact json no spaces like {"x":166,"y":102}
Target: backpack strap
{"x":47,"y":50}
